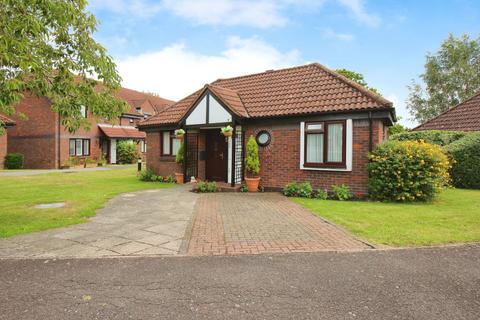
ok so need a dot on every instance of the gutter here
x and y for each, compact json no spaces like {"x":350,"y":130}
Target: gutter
{"x":370,"y":131}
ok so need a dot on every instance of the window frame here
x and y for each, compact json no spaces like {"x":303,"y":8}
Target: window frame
{"x":324,"y":131}
{"x":81,"y":142}
{"x":84,"y":111}
{"x":172,"y":137}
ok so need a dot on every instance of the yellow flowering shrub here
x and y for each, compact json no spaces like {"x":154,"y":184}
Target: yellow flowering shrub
{"x":407,"y":171}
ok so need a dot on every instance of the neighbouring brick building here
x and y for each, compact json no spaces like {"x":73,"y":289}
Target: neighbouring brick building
{"x":6,"y":123}
{"x":46,"y":144}
{"x":463,"y":117}
{"x":311,"y":124}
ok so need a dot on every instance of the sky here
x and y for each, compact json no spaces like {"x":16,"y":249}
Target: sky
{"x":174,"y":47}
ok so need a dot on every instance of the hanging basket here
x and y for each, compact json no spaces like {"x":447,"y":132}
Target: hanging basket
{"x":179,"y":133}
{"x":227,"y":131}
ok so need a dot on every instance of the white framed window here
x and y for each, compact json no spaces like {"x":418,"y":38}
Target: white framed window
{"x":170,"y":144}
{"x":83,"y":111}
{"x":79,"y":147}
{"x":326,"y":145}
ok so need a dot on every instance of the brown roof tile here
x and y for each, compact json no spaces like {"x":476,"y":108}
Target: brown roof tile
{"x":135,"y":98}
{"x":113,"y":131}
{"x":463,"y":117}
{"x":299,"y":90}
{"x":6,"y":121}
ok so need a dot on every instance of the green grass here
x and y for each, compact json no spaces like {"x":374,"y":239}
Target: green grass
{"x":83,"y":193}
{"x":454,"y":217}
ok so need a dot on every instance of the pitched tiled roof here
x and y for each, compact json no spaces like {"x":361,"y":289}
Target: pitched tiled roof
{"x":113,"y":131}
{"x":307,"y":89}
{"x":6,"y":121}
{"x":135,"y":98}
{"x":463,"y":117}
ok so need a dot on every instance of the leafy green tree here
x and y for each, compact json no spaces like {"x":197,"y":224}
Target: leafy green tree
{"x":47,"y":49}
{"x":397,"y":128}
{"x":451,"y":75}
{"x":358,"y":78}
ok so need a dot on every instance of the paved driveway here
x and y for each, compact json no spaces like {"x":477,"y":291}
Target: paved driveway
{"x":151,"y":222}
{"x":240,"y":223}
{"x":176,"y":221}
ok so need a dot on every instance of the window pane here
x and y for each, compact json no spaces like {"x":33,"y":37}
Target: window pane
{"x":316,"y":126}
{"x":175,"y":146}
{"x":83,"y":111}
{"x":72,"y":147}
{"x":86,"y":147}
{"x":166,"y":142}
{"x":79,"y":150}
{"x":315,"y":148}
{"x":335,"y":142}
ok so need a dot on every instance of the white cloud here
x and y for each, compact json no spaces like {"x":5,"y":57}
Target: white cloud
{"x":176,"y":70}
{"x":253,"y":13}
{"x":256,"y":13}
{"x":331,"y":34}
{"x":357,"y":8}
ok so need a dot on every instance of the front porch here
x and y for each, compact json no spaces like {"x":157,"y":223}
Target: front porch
{"x":211,"y":156}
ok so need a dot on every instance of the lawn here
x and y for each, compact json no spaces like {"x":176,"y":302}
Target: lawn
{"x":452,"y":218}
{"x":83,"y":193}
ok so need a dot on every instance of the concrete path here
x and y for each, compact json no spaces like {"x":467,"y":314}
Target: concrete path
{"x":435,"y":283}
{"x":19,"y":173}
{"x":151,"y":222}
{"x":246,"y":223}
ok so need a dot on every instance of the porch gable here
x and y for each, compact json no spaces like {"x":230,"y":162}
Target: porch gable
{"x":208,"y":110}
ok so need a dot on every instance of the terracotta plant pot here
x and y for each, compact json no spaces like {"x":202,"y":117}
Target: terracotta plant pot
{"x":179,"y":177}
{"x":252,"y":184}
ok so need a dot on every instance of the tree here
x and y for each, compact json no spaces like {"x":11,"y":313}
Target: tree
{"x":47,"y":49}
{"x":451,"y":75}
{"x":358,"y":78}
{"x":396,"y":128}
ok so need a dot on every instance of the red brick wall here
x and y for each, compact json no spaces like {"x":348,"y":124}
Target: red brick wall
{"x":280,"y":161}
{"x":161,"y":165}
{"x":3,"y":148}
{"x":34,"y":137}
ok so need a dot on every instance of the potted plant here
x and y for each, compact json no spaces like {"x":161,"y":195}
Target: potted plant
{"x":227,"y":131}
{"x":179,"y":133}
{"x":252,"y":165}
{"x":179,"y":160}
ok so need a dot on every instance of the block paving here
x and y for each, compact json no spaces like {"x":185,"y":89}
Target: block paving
{"x":237,"y":223}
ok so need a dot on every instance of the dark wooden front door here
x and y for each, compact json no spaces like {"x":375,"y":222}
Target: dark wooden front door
{"x":216,"y":149}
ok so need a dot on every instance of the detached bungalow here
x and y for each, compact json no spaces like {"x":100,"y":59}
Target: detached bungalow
{"x":463,"y":117}
{"x":311,"y":124}
{"x":6,"y":123}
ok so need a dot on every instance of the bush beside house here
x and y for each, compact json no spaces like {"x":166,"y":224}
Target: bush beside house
{"x":465,"y":155}
{"x":438,"y":137}
{"x":126,"y":152}
{"x":14,"y":161}
{"x":407,"y":171}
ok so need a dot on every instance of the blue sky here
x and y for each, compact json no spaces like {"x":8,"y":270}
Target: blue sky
{"x":173,"y":47}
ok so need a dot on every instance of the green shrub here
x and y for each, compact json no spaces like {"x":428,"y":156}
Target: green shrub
{"x":126,"y":152}
{"x":243,"y":188}
{"x":252,"y":162}
{"x":294,"y":189}
{"x":321,"y":194}
{"x":180,"y":153}
{"x":438,"y":137}
{"x":147,"y":175}
{"x":13,"y":161}
{"x":407,"y":171}
{"x":169,"y":179}
{"x":465,"y":154}
{"x":341,"y":192}
{"x":204,"y":187}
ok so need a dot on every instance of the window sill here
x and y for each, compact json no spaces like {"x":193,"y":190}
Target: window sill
{"x":326,"y":168}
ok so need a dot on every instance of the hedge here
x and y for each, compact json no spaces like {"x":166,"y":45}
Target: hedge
{"x":438,"y":137}
{"x":126,"y":152}
{"x":13,"y":161}
{"x":407,"y":171}
{"x":465,"y":155}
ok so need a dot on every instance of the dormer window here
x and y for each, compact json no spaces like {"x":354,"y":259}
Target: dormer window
{"x":139,"y":109}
